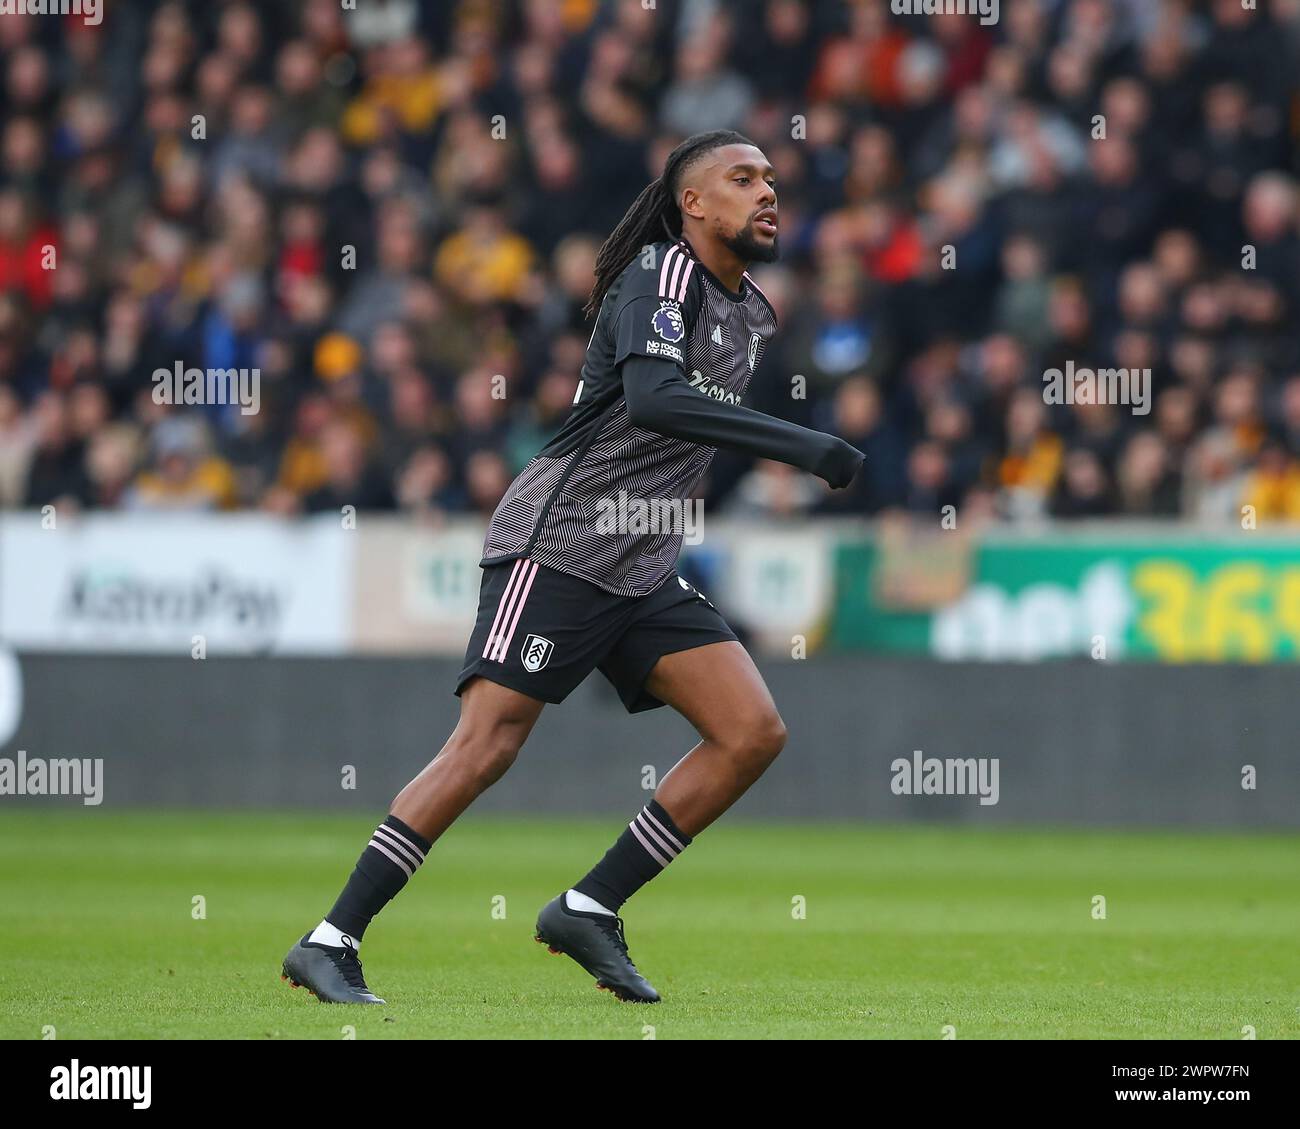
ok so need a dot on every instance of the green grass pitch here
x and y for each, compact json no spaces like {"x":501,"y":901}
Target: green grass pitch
{"x":907,"y":929}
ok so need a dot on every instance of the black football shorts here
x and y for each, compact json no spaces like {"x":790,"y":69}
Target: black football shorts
{"x":541,"y":632}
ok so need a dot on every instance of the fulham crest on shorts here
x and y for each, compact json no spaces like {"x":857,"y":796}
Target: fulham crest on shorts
{"x":536,"y":653}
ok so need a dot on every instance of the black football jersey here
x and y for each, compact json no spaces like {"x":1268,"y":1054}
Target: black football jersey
{"x":665,"y":306}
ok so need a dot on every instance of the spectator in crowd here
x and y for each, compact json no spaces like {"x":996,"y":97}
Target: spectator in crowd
{"x":183,"y":473}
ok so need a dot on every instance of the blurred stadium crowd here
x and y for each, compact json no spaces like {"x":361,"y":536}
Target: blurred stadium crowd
{"x":473,"y":154}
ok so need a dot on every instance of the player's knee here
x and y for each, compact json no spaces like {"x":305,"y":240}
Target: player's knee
{"x":487,"y":756}
{"x":493,"y":762}
{"x":758,"y":740}
{"x":770,"y":737}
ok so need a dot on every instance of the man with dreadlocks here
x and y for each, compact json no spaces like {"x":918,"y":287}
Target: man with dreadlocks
{"x":680,"y":328}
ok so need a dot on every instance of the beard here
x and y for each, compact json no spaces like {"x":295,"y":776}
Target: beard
{"x":745,"y":246}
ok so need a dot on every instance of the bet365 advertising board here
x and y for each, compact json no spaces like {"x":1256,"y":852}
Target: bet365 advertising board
{"x":1109,"y":595}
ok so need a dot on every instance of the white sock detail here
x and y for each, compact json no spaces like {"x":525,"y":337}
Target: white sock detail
{"x":327,"y":934}
{"x":575,"y":900}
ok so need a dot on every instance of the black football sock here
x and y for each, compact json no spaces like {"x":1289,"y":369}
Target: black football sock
{"x":652,"y":840}
{"x":392,"y":856}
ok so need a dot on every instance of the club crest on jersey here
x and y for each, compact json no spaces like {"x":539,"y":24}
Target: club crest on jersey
{"x":536,"y":653}
{"x":669,"y":323}
{"x":755,"y":344}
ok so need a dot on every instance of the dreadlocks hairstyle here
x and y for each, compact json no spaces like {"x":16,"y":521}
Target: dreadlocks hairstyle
{"x":654,"y":213}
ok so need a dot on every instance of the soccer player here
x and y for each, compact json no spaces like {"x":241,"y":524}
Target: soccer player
{"x":680,"y":327}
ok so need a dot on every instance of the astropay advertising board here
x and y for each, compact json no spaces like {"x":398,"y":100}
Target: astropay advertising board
{"x":242,"y":584}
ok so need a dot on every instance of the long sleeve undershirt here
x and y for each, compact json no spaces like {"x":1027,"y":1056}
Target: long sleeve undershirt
{"x":659,"y":399}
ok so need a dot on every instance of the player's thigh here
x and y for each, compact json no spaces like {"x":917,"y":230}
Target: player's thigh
{"x":720,"y":691}
{"x":494,"y":714}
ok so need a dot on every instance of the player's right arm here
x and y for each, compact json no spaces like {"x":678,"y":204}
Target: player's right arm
{"x":660,"y":399}
{"x":653,"y":315}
